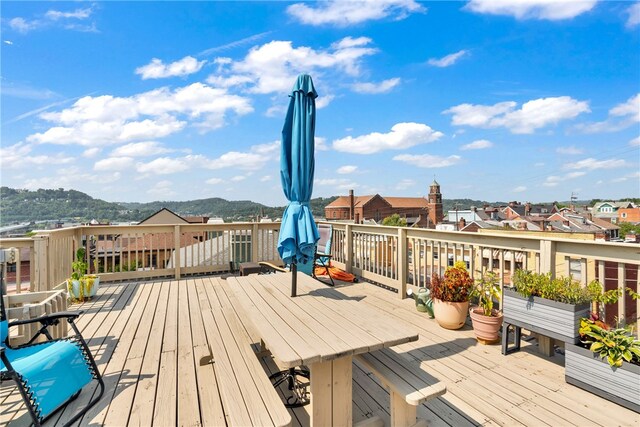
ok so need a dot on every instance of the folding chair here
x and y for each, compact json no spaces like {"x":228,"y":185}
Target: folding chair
{"x":322,"y":257}
{"x":48,"y":374}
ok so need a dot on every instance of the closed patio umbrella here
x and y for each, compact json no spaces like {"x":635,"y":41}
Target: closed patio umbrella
{"x":298,"y":231}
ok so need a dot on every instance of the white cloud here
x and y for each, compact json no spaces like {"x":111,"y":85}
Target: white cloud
{"x":479,"y":144}
{"x":569,"y":150}
{"x":91,"y":152}
{"x":532,"y":115}
{"x":156,"y":69}
{"x":64,"y":179}
{"x":55,"y":15}
{"x":265,"y":178}
{"x":255,"y":159}
{"x":113,"y":164}
{"x":238,"y":178}
{"x":374,"y":88}
{"x":427,"y":160}
{"x":404,"y":184}
{"x":273,"y":67}
{"x":337,"y":183}
{"x":402,"y":135}
{"x":519,"y":189}
{"x":592,"y":164}
{"x":347,"y":169}
{"x":448,"y":60}
{"x":552,"y":10}
{"x":20,"y":156}
{"x":106,"y":120}
{"x":323,"y":101}
{"x":620,"y":117}
{"x":167,"y":165}
{"x":8,"y":42}
{"x":345,"y":13}
{"x":214,"y":181}
{"x":321,"y":144}
{"x":162,"y":189}
{"x":634,"y":15}
{"x":635,"y":142}
{"x":54,"y":18}
{"x":22,"y":25}
{"x":140,"y":149}
{"x":554,"y":180}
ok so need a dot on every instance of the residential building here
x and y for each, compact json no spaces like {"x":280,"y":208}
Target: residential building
{"x":631,"y":215}
{"x":609,"y":210}
{"x":418,"y":211}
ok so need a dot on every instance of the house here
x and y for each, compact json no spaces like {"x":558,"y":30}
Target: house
{"x":418,"y":211}
{"x":516,"y":210}
{"x":631,"y":215}
{"x":166,"y":216}
{"x":609,"y":210}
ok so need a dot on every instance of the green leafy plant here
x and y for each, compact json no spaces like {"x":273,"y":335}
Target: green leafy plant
{"x":454,"y":286}
{"x":597,"y":294}
{"x":615,"y":345}
{"x":485,"y":290}
{"x":79,"y":266}
{"x":561,"y":289}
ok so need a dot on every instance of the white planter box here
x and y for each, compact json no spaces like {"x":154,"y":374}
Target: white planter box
{"x":31,"y":305}
{"x":586,"y":370}
{"x":549,"y":318}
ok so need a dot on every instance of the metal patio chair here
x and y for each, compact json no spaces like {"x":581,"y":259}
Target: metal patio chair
{"x":48,"y":374}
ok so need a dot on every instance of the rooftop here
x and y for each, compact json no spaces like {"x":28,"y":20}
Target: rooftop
{"x":148,"y":338}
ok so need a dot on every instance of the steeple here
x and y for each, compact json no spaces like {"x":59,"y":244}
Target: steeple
{"x":435,"y":203}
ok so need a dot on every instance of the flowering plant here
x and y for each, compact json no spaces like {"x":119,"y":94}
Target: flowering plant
{"x":486,"y":290}
{"x":454,"y":286}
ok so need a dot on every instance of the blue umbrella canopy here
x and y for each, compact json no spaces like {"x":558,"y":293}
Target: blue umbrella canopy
{"x":298,"y":231}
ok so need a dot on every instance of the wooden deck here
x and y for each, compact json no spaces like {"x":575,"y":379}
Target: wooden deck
{"x":147,"y":339}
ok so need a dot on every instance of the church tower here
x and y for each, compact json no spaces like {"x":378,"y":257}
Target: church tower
{"x":435,"y":204}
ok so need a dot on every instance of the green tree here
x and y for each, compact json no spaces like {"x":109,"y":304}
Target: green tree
{"x":627,"y":227}
{"x":394,"y":221}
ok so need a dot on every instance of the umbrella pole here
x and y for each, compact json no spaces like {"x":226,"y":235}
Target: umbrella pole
{"x":294,"y":279}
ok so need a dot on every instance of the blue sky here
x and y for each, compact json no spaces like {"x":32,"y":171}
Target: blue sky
{"x":138,"y":101}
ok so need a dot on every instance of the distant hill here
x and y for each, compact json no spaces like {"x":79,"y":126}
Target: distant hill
{"x":71,"y":205}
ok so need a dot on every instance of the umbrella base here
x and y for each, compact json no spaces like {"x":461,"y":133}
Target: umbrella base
{"x":295,"y":383}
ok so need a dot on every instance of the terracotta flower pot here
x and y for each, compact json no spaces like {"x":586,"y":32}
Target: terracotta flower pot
{"x":486,"y":328}
{"x":450,"y":315}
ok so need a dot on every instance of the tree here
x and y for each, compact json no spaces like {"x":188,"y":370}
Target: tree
{"x":627,"y":227}
{"x":394,"y":221}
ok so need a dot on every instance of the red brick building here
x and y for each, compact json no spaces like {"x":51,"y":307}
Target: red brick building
{"x":417,"y":211}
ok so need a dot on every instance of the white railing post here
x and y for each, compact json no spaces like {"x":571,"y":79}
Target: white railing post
{"x":402,"y":262}
{"x":548,"y":257}
{"x":348,"y":245}
{"x":41,"y":258}
{"x":176,"y":251}
{"x":255,"y":253}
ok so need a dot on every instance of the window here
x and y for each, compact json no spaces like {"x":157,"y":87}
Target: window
{"x":623,"y":214}
{"x":335,"y":214}
{"x":575,"y":269}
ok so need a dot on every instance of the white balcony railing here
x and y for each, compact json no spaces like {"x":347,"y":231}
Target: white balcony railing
{"x":397,"y":258}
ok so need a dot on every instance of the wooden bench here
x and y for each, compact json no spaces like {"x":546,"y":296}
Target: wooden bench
{"x":409,"y":386}
{"x":247,"y":394}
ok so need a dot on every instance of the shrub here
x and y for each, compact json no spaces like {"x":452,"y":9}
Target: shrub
{"x":454,"y":286}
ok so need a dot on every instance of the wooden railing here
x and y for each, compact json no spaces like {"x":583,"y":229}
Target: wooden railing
{"x":403,"y":258}
{"x":144,"y":252}
{"x":397,"y":258}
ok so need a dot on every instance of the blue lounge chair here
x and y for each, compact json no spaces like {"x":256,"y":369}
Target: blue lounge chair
{"x":48,"y":374}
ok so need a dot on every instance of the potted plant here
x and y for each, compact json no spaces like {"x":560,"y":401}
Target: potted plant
{"x":549,"y":306}
{"x":606,"y":362}
{"x":81,"y":285}
{"x":486,"y":320}
{"x":450,"y":294}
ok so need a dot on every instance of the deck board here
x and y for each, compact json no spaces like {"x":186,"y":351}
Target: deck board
{"x":148,"y":339}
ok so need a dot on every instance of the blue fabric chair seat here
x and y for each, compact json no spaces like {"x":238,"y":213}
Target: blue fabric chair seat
{"x":53,"y":371}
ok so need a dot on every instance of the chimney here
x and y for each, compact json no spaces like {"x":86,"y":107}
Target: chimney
{"x":461,"y":224}
{"x":527,"y":209}
{"x":351,"y":205}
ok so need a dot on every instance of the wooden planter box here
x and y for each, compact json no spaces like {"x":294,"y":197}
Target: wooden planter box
{"x":549,"y":318}
{"x":31,"y":305}
{"x":586,"y":370}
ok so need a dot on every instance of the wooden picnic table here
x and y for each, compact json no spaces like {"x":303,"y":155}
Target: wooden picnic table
{"x":320,"y":328}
